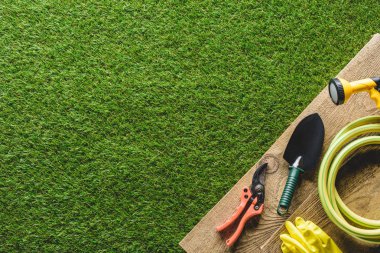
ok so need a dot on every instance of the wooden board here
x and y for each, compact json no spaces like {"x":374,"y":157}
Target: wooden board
{"x":355,"y":174}
{"x":264,"y":236}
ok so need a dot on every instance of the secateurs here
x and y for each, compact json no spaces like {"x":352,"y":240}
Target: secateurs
{"x":251,"y":204}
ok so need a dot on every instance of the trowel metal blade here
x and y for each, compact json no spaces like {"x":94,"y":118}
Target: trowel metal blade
{"x":306,"y":141}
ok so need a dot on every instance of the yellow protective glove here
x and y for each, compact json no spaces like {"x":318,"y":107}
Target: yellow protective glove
{"x":306,"y":237}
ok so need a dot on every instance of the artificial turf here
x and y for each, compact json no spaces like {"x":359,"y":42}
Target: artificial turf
{"x":123,"y":123}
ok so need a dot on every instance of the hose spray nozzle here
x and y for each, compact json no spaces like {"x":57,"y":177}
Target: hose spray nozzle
{"x":340,"y":90}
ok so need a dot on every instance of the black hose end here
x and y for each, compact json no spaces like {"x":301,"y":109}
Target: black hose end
{"x":377,"y":81}
{"x":336,"y":91}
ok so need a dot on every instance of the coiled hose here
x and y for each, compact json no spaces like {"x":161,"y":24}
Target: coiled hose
{"x":344,"y":143}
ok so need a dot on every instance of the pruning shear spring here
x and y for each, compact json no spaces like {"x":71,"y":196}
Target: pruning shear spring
{"x":251,"y":204}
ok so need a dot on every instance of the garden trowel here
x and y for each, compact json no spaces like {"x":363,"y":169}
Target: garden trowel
{"x":302,"y":153}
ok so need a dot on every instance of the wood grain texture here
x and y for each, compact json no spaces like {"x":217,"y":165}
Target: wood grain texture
{"x":264,"y":236}
{"x":359,"y":185}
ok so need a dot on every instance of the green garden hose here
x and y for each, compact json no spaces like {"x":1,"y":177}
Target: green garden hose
{"x":344,"y":144}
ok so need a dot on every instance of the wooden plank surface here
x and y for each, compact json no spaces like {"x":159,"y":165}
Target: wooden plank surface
{"x":359,"y":186}
{"x":264,"y":236}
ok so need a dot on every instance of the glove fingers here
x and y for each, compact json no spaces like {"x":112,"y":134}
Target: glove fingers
{"x":312,"y":235}
{"x":297,"y":235}
{"x":291,"y":245}
{"x":317,"y":239}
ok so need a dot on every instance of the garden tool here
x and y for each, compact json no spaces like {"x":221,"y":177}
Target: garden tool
{"x":251,"y":204}
{"x":306,"y":237}
{"x":340,"y":90}
{"x":302,"y":153}
{"x":359,"y":133}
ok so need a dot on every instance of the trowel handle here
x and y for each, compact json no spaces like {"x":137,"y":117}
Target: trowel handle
{"x":289,"y":189}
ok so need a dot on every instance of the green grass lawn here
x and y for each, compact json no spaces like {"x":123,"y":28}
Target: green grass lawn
{"x":123,"y":123}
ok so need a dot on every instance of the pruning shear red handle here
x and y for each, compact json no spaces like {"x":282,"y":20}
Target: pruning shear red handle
{"x":251,"y":204}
